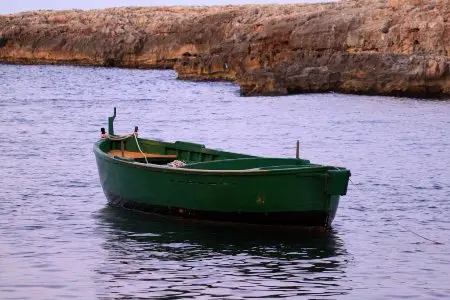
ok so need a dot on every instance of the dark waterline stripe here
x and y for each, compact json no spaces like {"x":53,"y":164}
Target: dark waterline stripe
{"x":317,"y":219}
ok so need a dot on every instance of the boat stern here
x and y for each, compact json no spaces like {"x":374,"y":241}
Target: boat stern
{"x":337,"y":181}
{"x":336,"y":185}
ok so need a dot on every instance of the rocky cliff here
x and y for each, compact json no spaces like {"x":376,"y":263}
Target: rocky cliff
{"x":393,"y":47}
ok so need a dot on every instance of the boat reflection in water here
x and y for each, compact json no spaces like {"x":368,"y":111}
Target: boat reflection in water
{"x":150,"y":257}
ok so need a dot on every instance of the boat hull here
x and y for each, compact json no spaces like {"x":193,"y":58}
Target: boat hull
{"x":297,"y":218}
{"x":266,"y":198}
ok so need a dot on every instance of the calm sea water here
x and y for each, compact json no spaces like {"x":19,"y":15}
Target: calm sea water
{"x":58,"y":238}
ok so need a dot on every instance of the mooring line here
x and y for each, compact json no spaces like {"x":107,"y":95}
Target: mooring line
{"x":404,"y":227}
{"x":435,"y":242}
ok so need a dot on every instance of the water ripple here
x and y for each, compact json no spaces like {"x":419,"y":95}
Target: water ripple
{"x":58,"y":240}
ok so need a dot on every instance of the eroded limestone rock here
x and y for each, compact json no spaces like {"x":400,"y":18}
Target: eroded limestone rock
{"x":388,"y":47}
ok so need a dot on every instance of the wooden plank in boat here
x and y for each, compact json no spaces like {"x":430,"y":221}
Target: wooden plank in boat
{"x":131,"y":154}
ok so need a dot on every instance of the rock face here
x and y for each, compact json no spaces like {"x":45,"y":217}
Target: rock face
{"x":392,"y":47}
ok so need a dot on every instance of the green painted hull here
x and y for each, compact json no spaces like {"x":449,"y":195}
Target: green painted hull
{"x":220,"y":186}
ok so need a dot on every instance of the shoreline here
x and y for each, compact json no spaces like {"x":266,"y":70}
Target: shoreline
{"x":356,"y":47}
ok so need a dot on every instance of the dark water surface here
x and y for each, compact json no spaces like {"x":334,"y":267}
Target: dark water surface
{"x":59,"y":240}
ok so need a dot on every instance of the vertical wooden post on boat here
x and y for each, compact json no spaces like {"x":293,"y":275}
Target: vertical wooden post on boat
{"x":111,"y":123}
{"x":297,"y":150}
{"x":122,"y":148}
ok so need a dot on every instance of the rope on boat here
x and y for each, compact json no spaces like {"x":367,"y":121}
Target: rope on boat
{"x":117,"y":138}
{"x":403,"y":226}
{"x":137,"y":143}
{"x":177,"y":164}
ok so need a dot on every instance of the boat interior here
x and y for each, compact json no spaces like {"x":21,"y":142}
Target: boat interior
{"x":193,"y":156}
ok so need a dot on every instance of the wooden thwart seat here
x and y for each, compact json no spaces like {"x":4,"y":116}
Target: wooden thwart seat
{"x":131,"y":154}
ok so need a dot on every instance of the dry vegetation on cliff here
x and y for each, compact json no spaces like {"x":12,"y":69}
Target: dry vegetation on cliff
{"x":356,"y":46}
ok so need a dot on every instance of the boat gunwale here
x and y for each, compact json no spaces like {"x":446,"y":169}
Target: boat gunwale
{"x":319,"y":170}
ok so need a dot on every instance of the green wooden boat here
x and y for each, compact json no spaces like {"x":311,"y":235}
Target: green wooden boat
{"x":189,"y":181}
